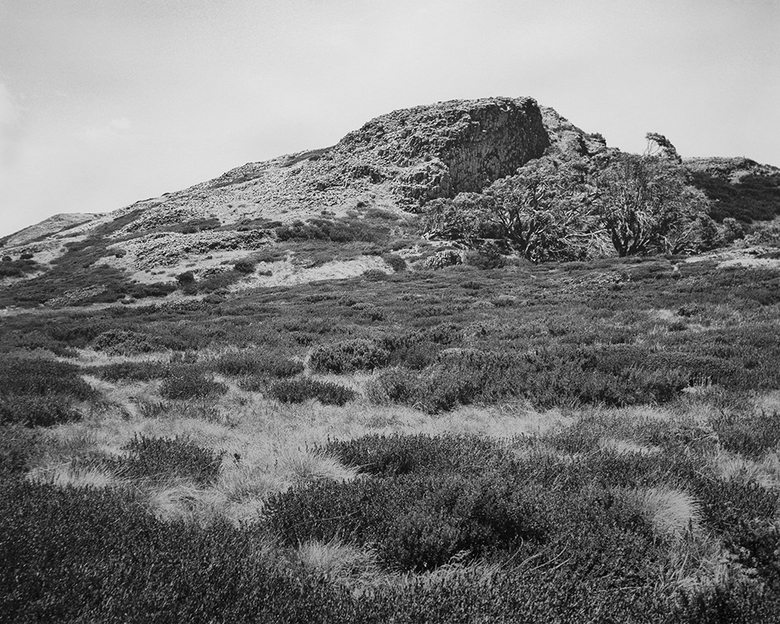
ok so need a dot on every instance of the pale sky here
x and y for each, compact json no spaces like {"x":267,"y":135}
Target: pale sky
{"x":105,"y":102}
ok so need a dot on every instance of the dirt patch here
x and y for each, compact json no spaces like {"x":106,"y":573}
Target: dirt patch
{"x":287,"y":273}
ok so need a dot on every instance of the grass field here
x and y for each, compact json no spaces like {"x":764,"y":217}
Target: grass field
{"x":573,"y":442}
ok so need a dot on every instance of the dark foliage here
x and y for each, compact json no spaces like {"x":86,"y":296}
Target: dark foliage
{"x":132,"y":371}
{"x":39,"y":392}
{"x":751,"y":435}
{"x":189,"y":382}
{"x":304,"y":388}
{"x":566,"y":376}
{"x":123,"y":342}
{"x":336,"y":231}
{"x":752,"y":198}
{"x":163,"y":459}
{"x":257,"y":363}
{"x":348,"y":356}
{"x":17,"y":268}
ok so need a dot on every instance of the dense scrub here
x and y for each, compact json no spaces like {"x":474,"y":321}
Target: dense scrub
{"x":300,"y":390}
{"x":40,"y":392}
{"x":496,"y":530}
{"x":655,"y":499}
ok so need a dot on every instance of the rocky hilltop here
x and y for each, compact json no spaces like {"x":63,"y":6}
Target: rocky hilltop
{"x":395,"y":162}
{"x":393,"y":165}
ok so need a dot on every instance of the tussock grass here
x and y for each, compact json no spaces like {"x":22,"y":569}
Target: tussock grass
{"x":337,"y":561}
{"x":731,"y":466}
{"x":304,"y":465}
{"x":183,"y":501}
{"x":628,"y":446}
{"x":67,"y":475}
{"x":671,"y":512}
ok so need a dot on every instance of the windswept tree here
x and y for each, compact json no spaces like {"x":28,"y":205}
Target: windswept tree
{"x":645,"y":204}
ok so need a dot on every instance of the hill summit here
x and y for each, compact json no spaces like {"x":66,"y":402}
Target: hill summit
{"x":365,"y":194}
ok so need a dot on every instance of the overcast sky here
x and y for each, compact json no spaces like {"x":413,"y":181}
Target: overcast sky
{"x":104,"y":102}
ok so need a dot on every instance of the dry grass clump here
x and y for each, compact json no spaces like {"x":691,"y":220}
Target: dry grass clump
{"x":185,"y":501}
{"x":671,"y":512}
{"x":66,"y":475}
{"x":305,"y":465}
{"x":337,"y":560}
{"x":627,"y":446}
{"x":731,"y":466}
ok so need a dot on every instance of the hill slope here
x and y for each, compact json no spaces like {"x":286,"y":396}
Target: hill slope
{"x":361,"y":194}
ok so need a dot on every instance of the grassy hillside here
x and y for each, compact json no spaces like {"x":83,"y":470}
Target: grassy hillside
{"x":564,"y":442}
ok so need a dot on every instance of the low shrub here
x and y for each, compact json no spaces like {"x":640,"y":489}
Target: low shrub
{"x":133,"y":371}
{"x":563,"y":377}
{"x":244,"y":266}
{"x":33,"y":410}
{"x":17,"y":268}
{"x":395,"y":262}
{"x":123,"y":342}
{"x":752,"y":434}
{"x":219,"y":281}
{"x":42,"y":377}
{"x":303,"y":389}
{"x":18,"y":445}
{"x":416,"y":522}
{"x":185,"y":279}
{"x":257,"y":363}
{"x":163,"y":459}
{"x":348,"y":356}
{"x":87,"y":555}
{"x":393,"y":455}
{"x":187,"y":382}
{"x":337,"y":231}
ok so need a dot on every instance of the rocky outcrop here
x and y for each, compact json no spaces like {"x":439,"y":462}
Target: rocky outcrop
{"x":447,"y":148}
{"x":568,"y":140}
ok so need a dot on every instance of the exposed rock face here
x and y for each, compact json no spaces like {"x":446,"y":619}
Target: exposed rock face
{"x":449,"y":147}
{"x":566,"y":139}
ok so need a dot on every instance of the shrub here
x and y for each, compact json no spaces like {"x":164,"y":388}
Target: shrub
{"x":91,"y":555}
{"x":122,"y":342}
{"x":486,"y":258}
{"x":218,"y":281}
{"x":17,"y":446}
{"x":564,"y":376}
{"x":394,"y":385}
{"x":33,"y":410}
{"x":395,"y":262}
{"x":163,"y":459}
{"x":39,"y":392}
{"x":257,"y":363}
{"x":337,"y":231}
{"x":244,"y":266}
{"x":348,"y":356}
{"x":303,"y":389}
{"x":403,"y":454}
{"x":189,"y":383}
{"x":186,"y":278}
{"x":134,"y":371}
{"x":416,"y":522}
{"x":374,"y":275}
{"x":41,"y":377}
{"x":751,"y":435}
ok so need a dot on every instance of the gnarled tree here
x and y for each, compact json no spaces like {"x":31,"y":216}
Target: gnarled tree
{"x":645,"y":204}
{"x":539,"y":213}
